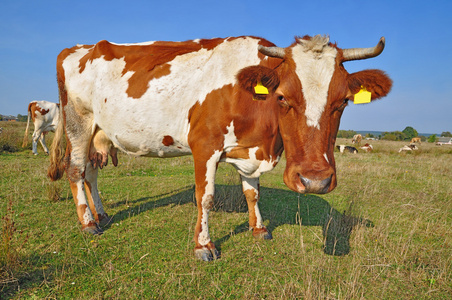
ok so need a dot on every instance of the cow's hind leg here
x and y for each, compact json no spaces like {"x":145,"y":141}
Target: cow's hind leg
{"x":250,"y":187}
{"x":42,"y":140}
{"x":95,"y":203}
{"x":34,"y":141}
{"x":79,"y":131}
{"x":100,"y":147}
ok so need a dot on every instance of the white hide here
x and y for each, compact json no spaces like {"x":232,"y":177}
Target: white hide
{"x":230,"y":140}
{"x":315,"y":63}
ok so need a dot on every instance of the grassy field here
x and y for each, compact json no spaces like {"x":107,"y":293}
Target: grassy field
{"x":388,"y":224}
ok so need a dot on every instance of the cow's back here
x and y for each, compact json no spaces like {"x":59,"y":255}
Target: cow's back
{"x":44,"y":114}
{"x":141,"y":95}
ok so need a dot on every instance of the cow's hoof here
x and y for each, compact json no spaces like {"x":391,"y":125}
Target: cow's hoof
{"x":104,"y":220}
{"x":262,"y":234}
{"x":206,"y":254}
{"x":93,"y":229}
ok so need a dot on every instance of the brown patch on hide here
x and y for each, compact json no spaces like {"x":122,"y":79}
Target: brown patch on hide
{"x":34,"y":108}
{"x":167,"y":140}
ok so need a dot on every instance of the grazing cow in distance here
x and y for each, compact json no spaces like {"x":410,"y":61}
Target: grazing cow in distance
{"x":45,"y":116}
{"x":367,"y":147}
{"x":343,"y":148}
{"x":235,"y":100}
{"x":357,"y":138}
{"x":409,"y":147}
{"x":416,"y":140}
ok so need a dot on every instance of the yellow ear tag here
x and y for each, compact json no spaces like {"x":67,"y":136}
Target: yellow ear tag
{"x":260,"y":89}
{"x":363,"y":96}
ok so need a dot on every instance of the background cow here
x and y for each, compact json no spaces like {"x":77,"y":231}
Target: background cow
{"x":367,"y":147}
{"x":239,"y":100}
{"x":45,"y":116}
{"x":357,"y":139}
{"x":343,"y":148}
{"x":409,"y":147}
{"x":416,"y":140}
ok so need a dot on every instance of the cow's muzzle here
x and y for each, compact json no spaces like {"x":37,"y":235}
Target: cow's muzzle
{"x":314,"y":186}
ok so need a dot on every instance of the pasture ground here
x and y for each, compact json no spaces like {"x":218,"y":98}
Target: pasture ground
{"x":388,"y":224}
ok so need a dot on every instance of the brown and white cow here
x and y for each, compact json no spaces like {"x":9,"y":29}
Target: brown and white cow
{"x":416,"y":140}
{"x":239,"y":100}
{"x":357,"y":138}
{"x":45,"y":116}
{"x":367,"y":147}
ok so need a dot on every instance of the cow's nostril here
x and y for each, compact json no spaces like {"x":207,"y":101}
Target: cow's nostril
{"x":306,"y":182}
{"x":326,"y":184}
{"x":316,"y":186}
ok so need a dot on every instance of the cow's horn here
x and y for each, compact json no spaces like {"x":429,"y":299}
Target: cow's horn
{"x":272,"y":51}
{"x":363,"y":53}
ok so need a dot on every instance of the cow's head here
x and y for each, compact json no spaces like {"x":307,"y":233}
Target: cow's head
{"x":311,"y":88}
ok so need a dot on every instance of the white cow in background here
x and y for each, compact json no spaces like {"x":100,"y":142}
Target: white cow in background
{"x":409,"y":147}
{"x":45,"y":116}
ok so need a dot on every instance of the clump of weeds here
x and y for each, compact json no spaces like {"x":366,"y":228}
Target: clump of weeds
{"x":11,"y":243}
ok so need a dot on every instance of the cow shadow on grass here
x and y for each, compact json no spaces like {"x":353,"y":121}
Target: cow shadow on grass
{"x":283,"y":207}
{"x":278,"y":206}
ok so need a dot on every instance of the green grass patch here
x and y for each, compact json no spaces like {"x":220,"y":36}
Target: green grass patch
{"x":387,"y":222}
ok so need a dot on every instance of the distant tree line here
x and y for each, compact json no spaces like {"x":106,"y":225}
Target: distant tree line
{"x":349,"y":134}
{"x":405,"y":135}
{"x":346,"y":134}
{"x":20,"y":118}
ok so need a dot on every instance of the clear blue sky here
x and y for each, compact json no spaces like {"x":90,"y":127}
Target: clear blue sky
{"x":417,"y":54}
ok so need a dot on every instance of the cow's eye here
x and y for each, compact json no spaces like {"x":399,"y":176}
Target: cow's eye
{"x":344,"y":104}
{"x":282,"y":100}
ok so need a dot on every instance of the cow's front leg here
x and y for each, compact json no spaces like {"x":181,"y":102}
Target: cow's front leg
{"x":95,"y":203}
{"x":205,"y":188}
{"x":250,"y":187}
{"x":77,"y":172}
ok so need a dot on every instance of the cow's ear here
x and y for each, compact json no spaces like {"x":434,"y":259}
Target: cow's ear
{"x":258,"y":80}
{"x":374,"y":81}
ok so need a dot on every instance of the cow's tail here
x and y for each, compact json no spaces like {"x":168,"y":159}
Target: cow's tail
{"x":25,"y":141}
{"x":56,"y":168}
